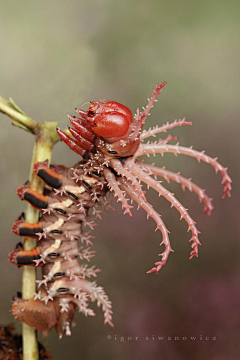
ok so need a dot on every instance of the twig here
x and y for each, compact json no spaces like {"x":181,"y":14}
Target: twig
{"x":20,"y":119}
{"x":45,"y":139}
{"x":42,"y":150}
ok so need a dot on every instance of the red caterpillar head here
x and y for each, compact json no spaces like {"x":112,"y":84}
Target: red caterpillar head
{"x":108,"y":119}
{"x":108,"y":127}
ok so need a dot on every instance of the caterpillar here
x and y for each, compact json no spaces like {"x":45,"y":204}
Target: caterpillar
{"x":111,"y":143}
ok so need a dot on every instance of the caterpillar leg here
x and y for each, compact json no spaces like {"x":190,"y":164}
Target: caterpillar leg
{"x":51,"y":177}
{"x":24,"y":229}
{"x":37,"y":200}
{"x":20,"y":257}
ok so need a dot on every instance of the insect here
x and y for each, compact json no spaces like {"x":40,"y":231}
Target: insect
{"x":111,"y":142}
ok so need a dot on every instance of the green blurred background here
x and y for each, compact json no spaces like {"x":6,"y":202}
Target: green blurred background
{"x":56,"y":56}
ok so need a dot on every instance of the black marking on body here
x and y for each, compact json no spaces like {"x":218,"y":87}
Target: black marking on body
{"x":85,"y":183}
{"x":19,"y":246}
{"x":56,"y":231}
{"x":59,"y":274}
{"x":27,"y":260}
{"x":86,"y":155}
{"x":60,"y":211}
{"x":114,"y":172}
{"x":113,"y":152}
{"x":48,"y":179}
{"x":62,"y":290}
{"x":19,"y":296}
{"x":124,"y":159}
{"x":22,"y":216}
{"x":38,"y":203}
{"x":54,"y":255}
{"x":32,"y":232}
{"x":96,"y":174}
{"x":90,"y":112}
{"x":73,"y":196}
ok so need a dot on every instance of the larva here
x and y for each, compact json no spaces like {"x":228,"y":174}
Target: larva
{"x":111,"y":142}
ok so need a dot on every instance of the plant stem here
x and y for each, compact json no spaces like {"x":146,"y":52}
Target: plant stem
{"x":42,"y":150}
{"x":46,"y":138}
{"x":20,"y":119}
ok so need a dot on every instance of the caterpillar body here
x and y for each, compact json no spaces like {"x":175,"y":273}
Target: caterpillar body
{"x":110,"y":142}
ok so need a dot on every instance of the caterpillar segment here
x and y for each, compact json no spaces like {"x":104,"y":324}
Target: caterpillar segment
{"x":20,"y":257}
{"x":64,"y":210}
{"x":111,"y":142}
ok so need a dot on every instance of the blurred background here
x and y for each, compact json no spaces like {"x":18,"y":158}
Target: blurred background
{"x":56,"y":56}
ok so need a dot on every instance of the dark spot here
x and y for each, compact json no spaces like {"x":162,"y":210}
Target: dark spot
{"x":73,"y":196}
{"x":91,"y":113}
{"x":62,"y":290}
{"x":61,"y":211}
{"x":86,"y":155}
{"x":87,"y":185}
{"x":112,"y":152}
{"x":123,"y":159}
{"x":113,"y":171}
{"x":19,"y":246}
{"x":54,"y":255}
{"x":22,"y":216}
{"x":19,"y":296}
{"x":59,"y":274}
{"x":96,"y":173}
{"x":56,"y":231}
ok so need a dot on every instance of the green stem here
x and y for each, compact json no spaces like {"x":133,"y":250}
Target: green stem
{"x":46,"y":138}
{"x":20,"y":119}
{"x":42,"y":150}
